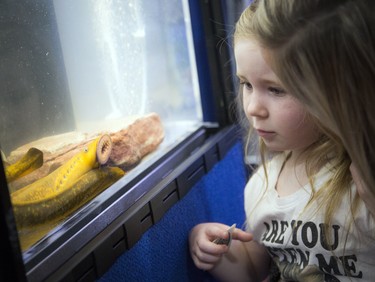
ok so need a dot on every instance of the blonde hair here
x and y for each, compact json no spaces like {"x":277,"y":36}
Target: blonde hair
{"x":296,"y":35}
{"x":324,"y":53}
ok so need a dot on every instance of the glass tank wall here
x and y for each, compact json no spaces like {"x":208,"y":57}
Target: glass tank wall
{"x":73,"y":71}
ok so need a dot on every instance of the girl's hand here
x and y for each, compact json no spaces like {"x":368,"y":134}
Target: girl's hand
{"x":364,"y":193}
{"x":204,"y":252}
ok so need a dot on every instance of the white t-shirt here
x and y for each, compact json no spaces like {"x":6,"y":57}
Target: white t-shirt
{"x":294,"y":235}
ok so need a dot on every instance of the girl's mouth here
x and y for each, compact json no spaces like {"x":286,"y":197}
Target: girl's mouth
{"x":265,"y":134}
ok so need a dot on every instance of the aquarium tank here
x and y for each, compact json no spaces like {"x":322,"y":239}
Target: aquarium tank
{"x":102,"y":100}
{"x":73,"y":70}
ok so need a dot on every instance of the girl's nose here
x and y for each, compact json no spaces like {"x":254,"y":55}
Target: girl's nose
{"x":255,"y":106}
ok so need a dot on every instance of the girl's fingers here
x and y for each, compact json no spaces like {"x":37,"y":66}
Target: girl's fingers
{"x":204,"y":252}
{"x":203,"y":265}
{"x":221,"y":231}
{"x":210,"y":247}
{"x":205,"y":261}
{"x":207,"y":258}
{"x":218,"y":231}
{"x":241,"y":235}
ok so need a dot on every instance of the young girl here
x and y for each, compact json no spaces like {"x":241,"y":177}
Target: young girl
{"x":303,"y":212}
{"x":324,"y":52}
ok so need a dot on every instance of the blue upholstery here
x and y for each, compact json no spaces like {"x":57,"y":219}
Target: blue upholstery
{"x":162,"y":254}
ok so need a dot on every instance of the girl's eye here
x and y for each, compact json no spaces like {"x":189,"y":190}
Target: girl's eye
{"x":277,"y":91}
{"x":247,"y":85}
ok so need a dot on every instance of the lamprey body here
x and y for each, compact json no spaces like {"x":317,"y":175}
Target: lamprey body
{"x":53,"y":209}
{"x":31,"y":161}
{"x":54,"y":185}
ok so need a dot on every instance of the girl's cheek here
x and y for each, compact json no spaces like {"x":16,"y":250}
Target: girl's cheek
{"x":245,"y":106}
{"x":247,"y":115}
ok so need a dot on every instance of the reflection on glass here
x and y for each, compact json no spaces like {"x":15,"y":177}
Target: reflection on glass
{"x":130,"y":57}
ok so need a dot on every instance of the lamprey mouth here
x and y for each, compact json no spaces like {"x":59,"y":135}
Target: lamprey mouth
{"x":104,"y":149}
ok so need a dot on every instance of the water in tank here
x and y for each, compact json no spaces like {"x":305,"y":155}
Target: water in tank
{"x":92,"y":91}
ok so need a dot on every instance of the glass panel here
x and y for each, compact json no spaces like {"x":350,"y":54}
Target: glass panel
{"x":129,"y":58}
{"x":74,"y":70}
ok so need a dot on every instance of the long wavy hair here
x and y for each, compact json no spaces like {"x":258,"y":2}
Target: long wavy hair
{"x":308,"y":47}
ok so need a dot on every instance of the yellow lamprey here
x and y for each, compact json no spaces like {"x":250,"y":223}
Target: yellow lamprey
{"x":61,"y":179}
{"x":31,"y":161}
{"x":53,"y":209}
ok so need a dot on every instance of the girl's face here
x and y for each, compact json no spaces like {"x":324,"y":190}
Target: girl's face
{"x":278,"y":118}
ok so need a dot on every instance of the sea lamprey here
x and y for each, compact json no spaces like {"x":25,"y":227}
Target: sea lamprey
{"x":53,"y":209}
{"x":33,"y":200}
{"x":31,"y":161}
